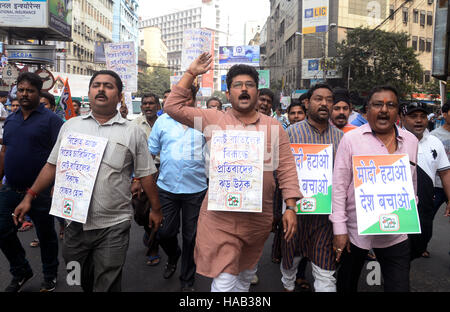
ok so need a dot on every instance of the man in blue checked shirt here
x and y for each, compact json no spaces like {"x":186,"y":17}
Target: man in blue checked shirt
{"x":182,"y":185}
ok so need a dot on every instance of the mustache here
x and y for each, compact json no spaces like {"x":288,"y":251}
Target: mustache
{"x":341,"y":116}
{"x":324,"y":109}
{"x":244,"y":96}
{"x":101,"y":94}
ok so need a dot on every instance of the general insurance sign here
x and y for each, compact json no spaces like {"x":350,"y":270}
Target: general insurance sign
{"x":315,"y":16}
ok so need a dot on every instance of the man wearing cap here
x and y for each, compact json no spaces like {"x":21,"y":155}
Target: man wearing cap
{"x":431,"y":161}
{"x":341,"y":110}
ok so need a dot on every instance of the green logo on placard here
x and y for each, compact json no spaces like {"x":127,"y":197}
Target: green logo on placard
{"x":234,"y":200}
{"x":389,"y":222}
{"x":308,"y":204}
{"x":68,"y":207}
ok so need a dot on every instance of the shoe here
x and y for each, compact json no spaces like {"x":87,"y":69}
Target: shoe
{"x":169,"y":270}
{"x":255,"y":280}
{"x":187,"y":289}
{"x":48,"y":285}
{"x":34,"y":243}
{"x":18,"y":282}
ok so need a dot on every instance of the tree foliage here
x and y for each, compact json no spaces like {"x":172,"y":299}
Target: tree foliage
{"x":156,"y":81}
{"x":377,"y":57}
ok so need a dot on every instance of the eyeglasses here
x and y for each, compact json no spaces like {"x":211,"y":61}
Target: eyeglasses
{"x":390,"y":105}
{"x":240,"y":84}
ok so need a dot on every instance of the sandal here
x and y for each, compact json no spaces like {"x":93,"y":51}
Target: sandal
{"x":303,"y":285}
{"x":276,"y":260}
{"x":34,"y":243}
{"x":26,"y":226}
{"x":153,"y":260}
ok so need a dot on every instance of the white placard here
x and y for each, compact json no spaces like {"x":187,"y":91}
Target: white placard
{"x":121,"y":58}
{"x":195,"y":42}
{"x":78,"y":162}
{"x":236,"y":171}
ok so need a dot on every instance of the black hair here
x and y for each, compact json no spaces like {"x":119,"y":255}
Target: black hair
{"x":318,"y":86}
{"x":167,"y":91}
{"x":382,"y":88}
{"x":111,"y":73}
{"x":49,"y":97}
{"x":32,"y":78}
{"x":214,"y":99}
{"x":267,"y":92}
{"x":241,"y":69}
{"x":302,"y":97}
{"x":76,"y":101}
{"x":148,"y":95}
{"x":194,"y":90}
{"x":446,"y":107}
{"x":296,"y":103}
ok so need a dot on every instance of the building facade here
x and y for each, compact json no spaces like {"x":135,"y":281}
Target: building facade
{"x":173,"y":25}
{"x":126,"y":22}
{"x":151,"y":42}
{"x":92,"y":22}
{"x":288,"y":49}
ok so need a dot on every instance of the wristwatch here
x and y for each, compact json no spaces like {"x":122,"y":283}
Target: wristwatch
{"x":293,"y":208}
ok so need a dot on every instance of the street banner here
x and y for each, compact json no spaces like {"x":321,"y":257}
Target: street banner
{"x":64,"y":107}
{"x":264,"y":78}
{"x":79,"y":159}
{"x":315,"y":16}
{"x":236,"y":171}
{"x":121,"y":58}
{"x":232,"y":55}
{"x":384,"y":195}
{"x":195,"y":42}
{"x":314,"y":164}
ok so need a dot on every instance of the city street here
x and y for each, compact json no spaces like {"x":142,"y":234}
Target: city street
{"x":427,"y":275}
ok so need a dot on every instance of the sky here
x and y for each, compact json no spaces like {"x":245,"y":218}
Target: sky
{"x":239,"y":12}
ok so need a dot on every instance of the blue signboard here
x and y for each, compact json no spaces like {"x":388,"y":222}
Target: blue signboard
{"x":223,"y":80}
{"x":229,"y":56}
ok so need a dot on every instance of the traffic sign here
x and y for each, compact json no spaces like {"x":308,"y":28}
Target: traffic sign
{"x":47,"y":79}
{"x":9,"y":74}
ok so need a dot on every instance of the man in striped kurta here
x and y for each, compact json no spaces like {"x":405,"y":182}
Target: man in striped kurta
{"x":315,"y":232}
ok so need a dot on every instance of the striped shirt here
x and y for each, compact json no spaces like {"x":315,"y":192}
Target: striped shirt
{"x":126,"y":152}
{"x":315,"y":232}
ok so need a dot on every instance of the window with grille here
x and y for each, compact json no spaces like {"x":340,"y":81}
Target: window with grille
{"x":429,"y":18}
{"x":415,"y":16}
{"x":414,"y":43}
{"x":421,"y":44}
{"x":422,"y":18}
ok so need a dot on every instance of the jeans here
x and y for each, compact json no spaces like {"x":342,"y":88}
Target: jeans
{"x":189,"y":207}
{"x":45,"y":230}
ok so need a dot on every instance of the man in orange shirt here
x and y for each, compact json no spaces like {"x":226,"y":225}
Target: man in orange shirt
{"x":342,"y":108}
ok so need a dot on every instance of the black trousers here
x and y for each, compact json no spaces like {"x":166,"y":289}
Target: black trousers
{"x":394,"y":262}
{"x":189,"y":207}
